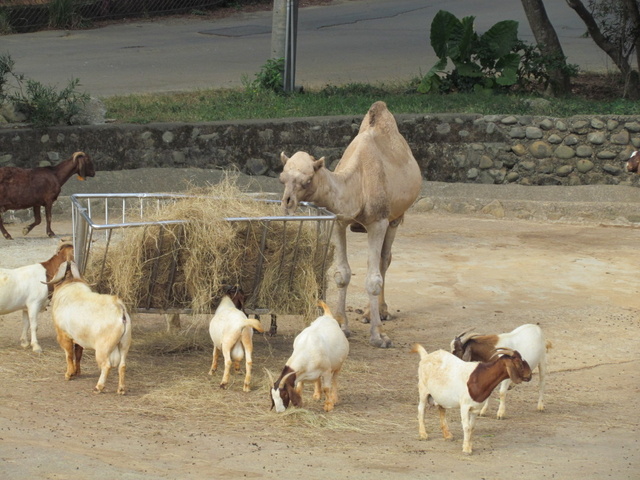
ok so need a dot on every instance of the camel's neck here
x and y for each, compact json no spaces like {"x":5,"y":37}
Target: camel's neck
{"x":338,"y":192}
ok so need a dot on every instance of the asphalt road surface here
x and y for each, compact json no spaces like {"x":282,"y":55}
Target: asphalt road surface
{"x":346,"y":41}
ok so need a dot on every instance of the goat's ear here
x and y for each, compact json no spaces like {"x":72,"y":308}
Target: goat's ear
{"x":466,"y":355}
{"x":318,"y":164}
{"x":283,"y":158}
{"x":294,"y":396}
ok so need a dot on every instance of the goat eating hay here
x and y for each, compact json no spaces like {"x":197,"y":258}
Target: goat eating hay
{"x":281,"y":265}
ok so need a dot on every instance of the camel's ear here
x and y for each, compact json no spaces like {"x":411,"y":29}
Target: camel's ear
{"x":318,"y":164}
{"x":283,"y":158}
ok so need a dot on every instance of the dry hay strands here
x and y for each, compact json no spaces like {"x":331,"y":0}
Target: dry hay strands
{"x":279,"y":264}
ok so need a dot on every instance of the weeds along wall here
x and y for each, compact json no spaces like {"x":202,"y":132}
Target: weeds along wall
{"x":488,"y":149}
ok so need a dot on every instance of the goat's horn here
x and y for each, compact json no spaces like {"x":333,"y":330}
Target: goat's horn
{"x":505,"y":351}
{"x":271,"y":380}
{"x":62,"y":269}
{"x":282,"y":380}
{"x":74,"y":270}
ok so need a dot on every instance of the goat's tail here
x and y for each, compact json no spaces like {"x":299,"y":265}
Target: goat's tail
{"x":255,"y":324}
{"x":116,"y":354}
{"x":325,"y":308}
{"x":417,"y":348}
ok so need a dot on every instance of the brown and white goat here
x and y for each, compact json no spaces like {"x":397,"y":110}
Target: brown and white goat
{"x":232,"y":332}
{"x":22,"y":188}
{"x":527,"y":339}
{"x":23,"y":289}
{"x":86,"y":319}
{"x":633,"y":163}
{"x":449,"y":382}
{"x":318,"y":354}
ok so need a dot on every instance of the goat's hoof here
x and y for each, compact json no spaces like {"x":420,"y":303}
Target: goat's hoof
{"x":37,"y":349}
{"x":246,"y":388}
{"x":121,"y":391}
{"x":365,"y":320}
{"x":223,"y":386}
{"x":50,"y":234}
{"x":25,"y":344}
{"x":7,"y":236}
{"x":347,"y":332}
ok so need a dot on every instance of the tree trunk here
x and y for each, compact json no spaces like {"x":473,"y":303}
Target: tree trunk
{"x":630,"y":76}
{"x":548,"y":42}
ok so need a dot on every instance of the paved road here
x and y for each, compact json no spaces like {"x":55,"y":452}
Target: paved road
{"x":347,"y":41}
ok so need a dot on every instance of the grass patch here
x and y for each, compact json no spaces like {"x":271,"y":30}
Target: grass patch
{"x":351,"y":99}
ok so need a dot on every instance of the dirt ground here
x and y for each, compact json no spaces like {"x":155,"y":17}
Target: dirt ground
{"x":449,"y":273}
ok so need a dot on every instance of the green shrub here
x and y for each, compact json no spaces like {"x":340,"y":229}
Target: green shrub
{"x":64,"y":14}
{"x":42,"y":104}
{"x":271,"y":76}
{"x":489,"y":61}
{"x":5,"y":24}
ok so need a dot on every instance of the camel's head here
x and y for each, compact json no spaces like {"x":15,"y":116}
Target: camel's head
{"x":298,"y":179}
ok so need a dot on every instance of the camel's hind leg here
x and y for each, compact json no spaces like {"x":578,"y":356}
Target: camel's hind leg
{"x":380,"y":237}
{"x":385,"y":261}
{"x":342,"y":275}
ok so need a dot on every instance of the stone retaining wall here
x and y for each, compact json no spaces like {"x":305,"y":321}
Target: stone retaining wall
{"x":488,"y":149}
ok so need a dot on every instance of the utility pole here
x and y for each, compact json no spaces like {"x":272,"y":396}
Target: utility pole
{"x":284,"y":33}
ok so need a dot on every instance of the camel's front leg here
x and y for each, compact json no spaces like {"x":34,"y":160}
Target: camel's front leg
{"x":342,"y":275}
{"x":385,"y":261}
{"x":375,"y":281}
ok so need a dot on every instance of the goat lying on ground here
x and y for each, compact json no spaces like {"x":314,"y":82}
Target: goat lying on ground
{"x":85,"y":319}
{"x":527,"y":339}
{"x":448,"y":382}
{"x":318,"y":354}
{"x":232,"y":332}
{"x":39,"y":187}
{"x":633,"y":163}
{"x":23,"y":289}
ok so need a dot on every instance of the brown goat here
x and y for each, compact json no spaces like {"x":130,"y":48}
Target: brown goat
{"x":22,"y":188}
{"x":633,"y":164}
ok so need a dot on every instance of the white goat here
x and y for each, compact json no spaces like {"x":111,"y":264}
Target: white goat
{"x":318,"y":354}
{"x":23,"y":289}
{"x":448,"y":382}
{"x":527,"y":339}
{"x":232,"y":332}
{"x":86,"y":319}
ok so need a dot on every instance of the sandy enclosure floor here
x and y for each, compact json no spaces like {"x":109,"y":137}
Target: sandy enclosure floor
{"x":449,"y":273}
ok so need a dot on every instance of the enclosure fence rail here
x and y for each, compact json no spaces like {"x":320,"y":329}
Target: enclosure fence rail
{"x":129,"y":211}
{"x":20,"y":16}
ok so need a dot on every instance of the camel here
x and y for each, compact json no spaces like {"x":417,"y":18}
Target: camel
{"x":375,"y":182}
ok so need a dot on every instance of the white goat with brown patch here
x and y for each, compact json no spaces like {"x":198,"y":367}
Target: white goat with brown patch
{"x":86,"y":319}
{"x":318,"y":354}
{"x":527,"y":339}
{"x":23,"y":289}
{"x":232,"y":333}
{"x":448,"y":382}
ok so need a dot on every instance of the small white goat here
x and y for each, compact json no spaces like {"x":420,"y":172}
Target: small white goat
{"x":318,"y":354}
{"x":86,"y":319}
{"x":23,"y":289}
{"x":448,"y":382}
{"x":527,"y":339}
{"x":232,"y":332}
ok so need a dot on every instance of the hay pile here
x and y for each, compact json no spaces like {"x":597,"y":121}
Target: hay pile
{"x":187,"y":266}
